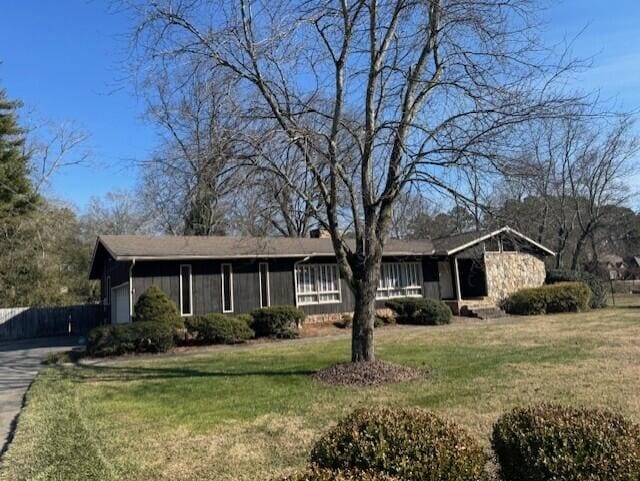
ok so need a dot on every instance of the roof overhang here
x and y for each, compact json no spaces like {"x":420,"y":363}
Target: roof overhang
{"x":503,"y":230}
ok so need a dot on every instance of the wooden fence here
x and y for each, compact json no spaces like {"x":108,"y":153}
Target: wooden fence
{"x":29,"y":322}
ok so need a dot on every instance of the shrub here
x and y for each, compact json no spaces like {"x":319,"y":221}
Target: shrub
{"x":598,"y":286}
{"x":418,"y":310}
{"x":317,"y":474}
{"x":411,"y":444}
{"x":554,"y":442}
{"x":345,"y":322}
{"x":117,"y":339}
{"x":560,"y":297}
{"x":277,"y":321}
{"x":218,"y":329}
{"x":155,"y":306}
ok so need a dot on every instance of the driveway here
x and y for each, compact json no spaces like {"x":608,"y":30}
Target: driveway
{"x":20,"y":361}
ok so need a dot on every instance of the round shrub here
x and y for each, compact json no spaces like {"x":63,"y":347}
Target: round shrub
{"x":420,"y":311}
{"x":138,"y":337}
{"x":155,"y":306}
{"x":549,"y":442}
{"x":314,"y":473}
{"x":218,"y":329}
{"x":598,"y":286}
{"x":411,"y":444}
{"x":277,"y":321}
{"x":560,"y":297}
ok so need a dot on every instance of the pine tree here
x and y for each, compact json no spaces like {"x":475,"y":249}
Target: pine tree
{"x":17,"y":196}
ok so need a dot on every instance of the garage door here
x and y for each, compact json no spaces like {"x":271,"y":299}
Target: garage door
{"x":120,"y":304}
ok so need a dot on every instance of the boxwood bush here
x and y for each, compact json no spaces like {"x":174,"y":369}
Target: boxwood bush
{"x":560,"y":297}
{"x":598,"y":286}
{"x":418,"y":310}
{"x":155,"y":306}
{"x":410,"y":444}
{"x":551,"y":442}
{"x":277,"y":321}
{"x":218,"y":329}
{"x":137,"y":337}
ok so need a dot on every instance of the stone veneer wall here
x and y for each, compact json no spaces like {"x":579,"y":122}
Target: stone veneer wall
{"x":337,"y":316}
{"x":508,"y":272}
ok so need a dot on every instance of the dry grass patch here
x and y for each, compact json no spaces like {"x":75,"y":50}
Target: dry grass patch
{"x":251,"y":413}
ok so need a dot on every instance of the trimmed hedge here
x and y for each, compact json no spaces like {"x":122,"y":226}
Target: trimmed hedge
{"x":411,"y":444}
{"x":421,"y":311}
{"x":317,"y":474}
{"x":218,"y":329}
{"x":550,"y":442}
{"x":155,"y":306}
{"x":137,"y":337}
{"x":598,"y":286}
{"x":277,"y":321}
{"x":560,"y":297}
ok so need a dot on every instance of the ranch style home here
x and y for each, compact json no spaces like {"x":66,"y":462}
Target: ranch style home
{"x":471,"y":271}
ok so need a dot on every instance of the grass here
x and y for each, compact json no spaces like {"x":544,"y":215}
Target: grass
{"x":252,"y":413}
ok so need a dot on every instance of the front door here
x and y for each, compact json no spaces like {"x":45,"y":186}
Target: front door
{"x":446,"y":281}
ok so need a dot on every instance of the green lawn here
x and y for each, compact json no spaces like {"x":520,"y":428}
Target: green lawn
{"x":252,"y":412}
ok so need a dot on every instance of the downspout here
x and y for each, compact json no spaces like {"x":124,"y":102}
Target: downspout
{"x":295,"y":279}
{"x":133,"y":263}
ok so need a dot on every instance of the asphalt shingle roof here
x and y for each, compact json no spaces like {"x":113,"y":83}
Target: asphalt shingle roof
{"x":129,"y":246}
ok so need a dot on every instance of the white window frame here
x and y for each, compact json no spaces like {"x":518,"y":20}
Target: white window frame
{"x":230,"y":285}
{"x":262,"y":304}
{"x":190,"y":313}
{"x":315,"y":268}
{"x":403,"y":273}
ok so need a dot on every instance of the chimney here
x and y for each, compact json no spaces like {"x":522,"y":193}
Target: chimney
{"x":319,"y":233}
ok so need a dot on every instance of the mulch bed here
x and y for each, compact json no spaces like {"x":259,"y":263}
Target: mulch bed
{"x":374,"y":373}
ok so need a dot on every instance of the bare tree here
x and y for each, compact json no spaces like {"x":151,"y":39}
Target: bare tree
{"x":190,"y":181}
{"x":115,"y":213}
{"x":597,"y":175}
{"x":433,"y":84}
{"x":53,"y":146}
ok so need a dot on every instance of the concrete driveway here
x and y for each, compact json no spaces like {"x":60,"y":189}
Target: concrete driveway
{"x":20,"y":361}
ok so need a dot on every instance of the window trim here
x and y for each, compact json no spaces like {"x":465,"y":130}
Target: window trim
{"x":266,"y":264}
{"x":230,"y":285}
{"x":190,"y":313}
{"x":402,"y":273}
{"x":317,"y":293}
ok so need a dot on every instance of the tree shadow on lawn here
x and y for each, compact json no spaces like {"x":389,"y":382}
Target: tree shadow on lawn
{"x":83,"y":373}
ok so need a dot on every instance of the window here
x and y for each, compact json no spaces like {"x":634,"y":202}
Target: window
{"x":317,"y":284}
{"x":227,"y":288}
{"x":186,"y":298}
{"x":399,"y":279}
{"x":264,"y":284}
{"x":107,"y":297}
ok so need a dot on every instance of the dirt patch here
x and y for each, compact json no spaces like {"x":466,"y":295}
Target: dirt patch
{"x":374,"y":373}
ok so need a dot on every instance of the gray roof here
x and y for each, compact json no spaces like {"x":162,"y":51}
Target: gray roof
{"x":458,"y":242}
{"x":126,"y":247}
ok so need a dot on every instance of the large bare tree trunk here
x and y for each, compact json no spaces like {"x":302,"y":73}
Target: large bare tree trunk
{"x":362,"y":346}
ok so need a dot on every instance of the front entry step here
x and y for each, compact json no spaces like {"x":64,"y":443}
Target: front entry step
{"x":482,"y":312}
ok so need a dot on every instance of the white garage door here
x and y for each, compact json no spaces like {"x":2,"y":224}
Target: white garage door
{"x":120,"y":304}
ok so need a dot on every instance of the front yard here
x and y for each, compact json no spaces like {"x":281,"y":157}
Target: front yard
{"x":250,"y":413}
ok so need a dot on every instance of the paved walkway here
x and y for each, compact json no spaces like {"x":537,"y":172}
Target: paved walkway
{"x":20,"y":361}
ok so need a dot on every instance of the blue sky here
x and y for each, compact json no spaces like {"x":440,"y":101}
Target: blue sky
{"x":64,"y":59}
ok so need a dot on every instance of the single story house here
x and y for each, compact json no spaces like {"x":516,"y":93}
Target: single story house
{"x":238,"y":274}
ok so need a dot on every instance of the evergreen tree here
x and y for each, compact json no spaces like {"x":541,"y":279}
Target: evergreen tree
{"x":17,"y":196}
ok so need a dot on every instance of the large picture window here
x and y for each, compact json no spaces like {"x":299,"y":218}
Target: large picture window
{"x":317,"y":284}
{"x":399,"y":279}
